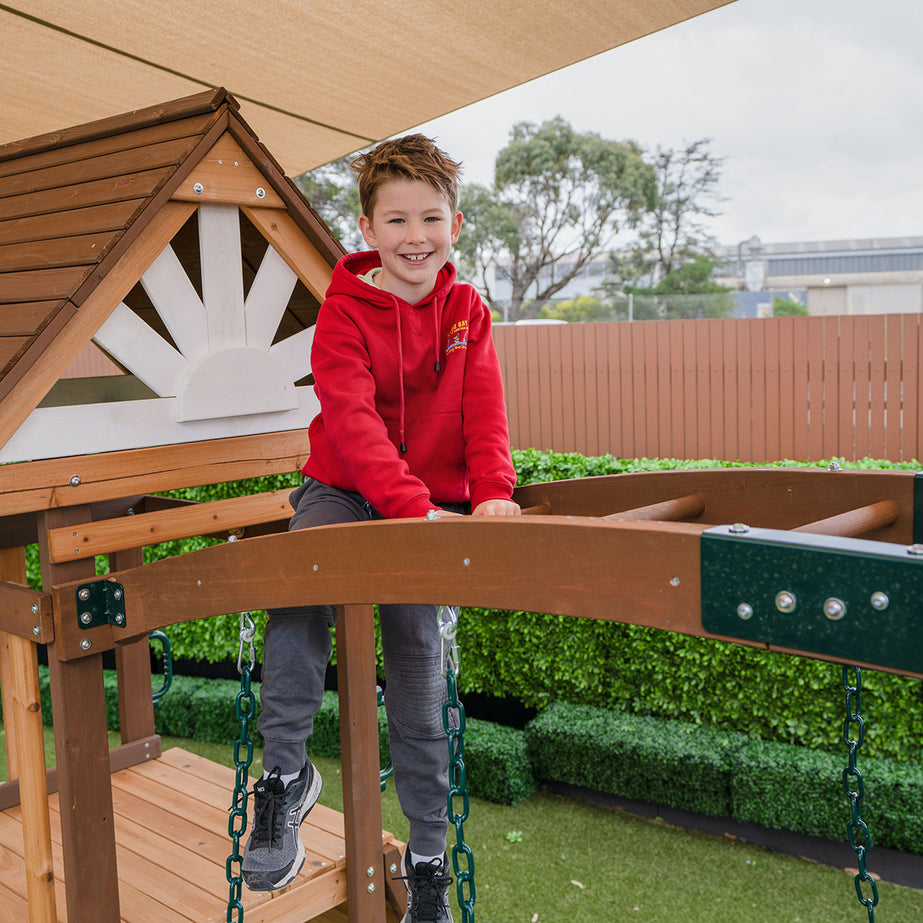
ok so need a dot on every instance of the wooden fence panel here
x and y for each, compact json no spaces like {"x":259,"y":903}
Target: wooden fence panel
{"x":804,"y":388}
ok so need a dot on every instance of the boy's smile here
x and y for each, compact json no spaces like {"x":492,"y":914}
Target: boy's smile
{"x":413,"y":229}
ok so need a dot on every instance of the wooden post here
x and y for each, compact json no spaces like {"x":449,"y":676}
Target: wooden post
{"x":365,"y":886}
{"x":22,"y":707}
{"x":82,"y":750}
{"x":133,"y":666}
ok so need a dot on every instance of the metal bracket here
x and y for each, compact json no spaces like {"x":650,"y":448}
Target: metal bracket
{"x":851,"y":599}
{"x":100,"y":603}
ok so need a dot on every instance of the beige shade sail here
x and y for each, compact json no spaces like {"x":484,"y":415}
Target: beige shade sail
{"x":314,"y":80}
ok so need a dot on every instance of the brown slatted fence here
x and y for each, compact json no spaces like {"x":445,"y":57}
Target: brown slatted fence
{"x":802,"y":388}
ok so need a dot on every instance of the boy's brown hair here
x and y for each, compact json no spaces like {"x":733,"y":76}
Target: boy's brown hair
{"x":413,"y":157}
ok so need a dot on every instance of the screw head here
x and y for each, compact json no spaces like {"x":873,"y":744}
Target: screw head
{"x":84,"y":594}
{"x":834,"y":609}
{"x":86,"y":644}
{"x":371,"y":888}
{"x":117,"y":594}
{"x":745,"y":611}
{"x":198,"y":188}
{"x":36,"y":630}
{"x":75,"y":480}
{"x":786,"y":601}
{"x":86,"y":618}
{"x":370,"y":871}
{"x":916,"y":549}
{"x":880,"y":601}
{"x":261,"y":193}
{"x":35,"y":608}
{"x":739,"y":528}
{"x":120,"y":619}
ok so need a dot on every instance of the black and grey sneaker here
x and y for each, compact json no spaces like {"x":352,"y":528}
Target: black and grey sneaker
{"x":274,"y":853}
{"x":427,"y":886}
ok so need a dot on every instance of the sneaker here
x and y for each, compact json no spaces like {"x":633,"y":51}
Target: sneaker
{"x":427,"y":886}
{"x":274,"y":853}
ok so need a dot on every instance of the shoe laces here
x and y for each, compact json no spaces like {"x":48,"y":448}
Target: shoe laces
{"x":428,"y":882}
{"x":267,"y":818}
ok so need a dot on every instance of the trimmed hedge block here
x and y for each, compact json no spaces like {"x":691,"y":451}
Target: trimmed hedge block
{"x":648,"y":759}
{"x":497,"y":764}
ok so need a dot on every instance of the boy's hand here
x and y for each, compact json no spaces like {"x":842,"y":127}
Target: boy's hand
{"x":497,"y":508}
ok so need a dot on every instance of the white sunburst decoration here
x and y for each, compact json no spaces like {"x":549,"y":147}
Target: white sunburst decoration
{"x":223,"y":377}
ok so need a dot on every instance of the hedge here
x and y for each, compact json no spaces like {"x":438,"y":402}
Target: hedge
{"x":664,"y":762}
{"x":538,"y":658}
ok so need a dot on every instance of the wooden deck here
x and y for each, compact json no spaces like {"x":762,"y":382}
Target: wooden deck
{"x":171,"y":820}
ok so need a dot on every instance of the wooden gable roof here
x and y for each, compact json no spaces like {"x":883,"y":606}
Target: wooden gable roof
{"x":105,"y":225}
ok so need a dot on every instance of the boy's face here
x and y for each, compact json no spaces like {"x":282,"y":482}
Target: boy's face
{"x":413,"y":229}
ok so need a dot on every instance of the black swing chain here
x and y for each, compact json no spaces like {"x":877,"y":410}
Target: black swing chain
{"x":447,"y":617}
{"x":857,"y":830}
{"x":245,"y":709}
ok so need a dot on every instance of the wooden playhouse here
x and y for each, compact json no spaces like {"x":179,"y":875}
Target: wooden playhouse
{"x":167,"y":243}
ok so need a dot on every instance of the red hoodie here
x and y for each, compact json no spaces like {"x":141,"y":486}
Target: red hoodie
{"x":412,"y":410}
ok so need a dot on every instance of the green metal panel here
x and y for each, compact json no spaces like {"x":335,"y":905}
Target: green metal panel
{"x":100,"y":603}
{"x":851,"y":599}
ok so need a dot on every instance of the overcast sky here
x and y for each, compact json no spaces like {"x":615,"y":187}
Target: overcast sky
{"x":816,"y":106}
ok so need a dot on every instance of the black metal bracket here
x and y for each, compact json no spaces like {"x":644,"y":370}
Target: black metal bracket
{"x":100,"y":603}
{"x":850,"y":599}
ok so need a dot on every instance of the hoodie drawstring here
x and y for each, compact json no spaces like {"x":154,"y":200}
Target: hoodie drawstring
{"x":438,"y":366}
{"x":400,"y":361}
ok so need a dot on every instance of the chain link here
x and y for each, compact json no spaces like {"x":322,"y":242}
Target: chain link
{"x":462,"y":857}
{"x":244,"y":709}
{"x":857,"y":830}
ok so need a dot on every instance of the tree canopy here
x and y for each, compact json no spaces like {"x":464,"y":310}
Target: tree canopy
{"x":559,"y":199}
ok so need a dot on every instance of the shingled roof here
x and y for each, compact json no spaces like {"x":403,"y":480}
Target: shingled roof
{"x":98,"y":220}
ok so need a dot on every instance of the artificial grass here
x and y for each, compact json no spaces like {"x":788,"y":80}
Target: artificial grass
{"x":551,"y":859}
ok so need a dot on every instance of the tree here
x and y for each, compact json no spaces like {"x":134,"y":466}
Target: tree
{"x":674,"y":232}
{"x":784,"y":307}
{"x":333,"y":194}
{"x":559,"y":199}
{"x":686,"y":292}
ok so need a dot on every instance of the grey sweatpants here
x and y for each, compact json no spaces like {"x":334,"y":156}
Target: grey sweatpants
{"x":297,"y":646}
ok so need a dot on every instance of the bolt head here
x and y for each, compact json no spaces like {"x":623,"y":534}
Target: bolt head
{"x":739,"y":528}
{"x":786,"y":601}
{"x":371,"y":888}
{"x":745,"y":611}
{"x":36,"y":630}
{"x":86,"y":644}
{"x":86,"y":618}
{"x":75,"y":480}
{"x":198,"y":188}
{"x":880,"y":601}
{"x":834,"y":609}
{"x":84,"y":594}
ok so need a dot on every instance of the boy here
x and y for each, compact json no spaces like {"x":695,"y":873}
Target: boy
{"x":412,"y":423}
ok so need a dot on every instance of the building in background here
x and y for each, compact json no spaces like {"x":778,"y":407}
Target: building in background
{"x":874,"y":276}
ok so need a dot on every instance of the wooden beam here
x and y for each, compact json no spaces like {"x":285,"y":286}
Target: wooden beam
{"x":22,"y":709}
{"x":92,"y":538}
{"x":82,"y":755}
{"x":365,"y":883}
{"x":40,"y":485}
{"x":855,"y":522}
{"x":688,"y":507}
{"x":25,"y":613}
{"x":280,"y":229}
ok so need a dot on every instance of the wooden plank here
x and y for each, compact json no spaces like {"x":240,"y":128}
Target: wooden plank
{"x":267,"y":299}
{"x":744,"y":385}
{"x":877,"y":371}
{"x":45,"y":254}
{"x":25,"y":318}
{"x":92,"y":538}
{"x":109,"y":216}
{"x":789,"y":422}
{"x":226,"y":175}
{"x":120,"y":141}
{"x":23,"y":610}
{"x":82,"y":756}
{"x":26,"y":753}
{"x":11,"y":348}
{"x":801,"y":383}
{"x":730,"y":393}
{"x":83,"y":195}
{"x":892,"y":398}
{"x":42,"y":284}
{"x":365,"y":886}
{"x":303,"y":258}
{"x":44,"y":484}
{"x":101,"y":167}
{"x":222,"y":283}
{"x":758,"y":388}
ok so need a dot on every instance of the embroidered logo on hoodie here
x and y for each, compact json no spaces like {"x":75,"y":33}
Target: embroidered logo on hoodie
{"x":458,"y":337}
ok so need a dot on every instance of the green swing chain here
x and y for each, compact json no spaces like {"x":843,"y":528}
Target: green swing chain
{"x":447,"y":618}
{"x":857,"y":830}
{"x":245,"y":709}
